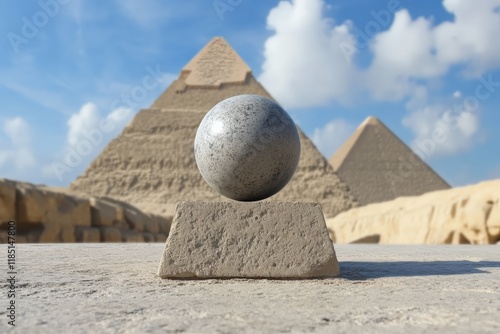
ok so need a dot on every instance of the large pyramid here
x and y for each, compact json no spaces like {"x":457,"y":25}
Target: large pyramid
{"x":151,"y":163}
{"x":377,"y":166}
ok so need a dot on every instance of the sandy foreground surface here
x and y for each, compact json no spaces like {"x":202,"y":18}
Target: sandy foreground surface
{"x":113,"y":288}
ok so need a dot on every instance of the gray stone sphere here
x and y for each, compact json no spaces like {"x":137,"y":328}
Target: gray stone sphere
{"x":247,"y":148}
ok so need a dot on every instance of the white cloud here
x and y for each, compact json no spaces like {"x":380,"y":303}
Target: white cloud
{"x":472,"y":37}
{"x":306,"y":62}
{"x":415,"y":49}
{"x":18,"y":152}
{"x":88,"y":133}
{"x":85,"y":119}
{"x":400,"y":55}
{"x":440,"y":131}
{"x":18,"y":131}
{"x":88,"y":120}
{"x":329,"y":138}
{"x":414,"y":52}
{"x":304,"y":65}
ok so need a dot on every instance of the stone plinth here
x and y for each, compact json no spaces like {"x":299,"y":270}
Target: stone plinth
{"x":258,"y":239}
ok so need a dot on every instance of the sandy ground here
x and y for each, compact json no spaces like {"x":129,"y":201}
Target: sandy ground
{"x":113,"y":288}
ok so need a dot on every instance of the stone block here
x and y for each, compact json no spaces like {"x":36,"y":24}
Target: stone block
{"x":31,"y":204}
{"x":473,"y":218}
{"x":136,"y":219}
{"x":493,"y":223}
{"x":50,"y":234}
{"x":133,"y":237}
{"x":369,"y":239}
{"x":148,"y":237}
{"x":151,"y":225}
{"x":67,"y":210}
{"x":110,"y":234}
{"x":164,"y":223}
{"x":36,"y":205}
{"x":160,"y":237}
{"x":7,"y":201}
{"x":68,"y":234}
{"x":105,"y":213}
{"x":87,"y":234}
{"x":21,"y":239}
{"x":33,"y":237}
{"x":248,"y":239}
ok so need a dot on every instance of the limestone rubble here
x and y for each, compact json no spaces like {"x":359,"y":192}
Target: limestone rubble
{"x":44,"y":214}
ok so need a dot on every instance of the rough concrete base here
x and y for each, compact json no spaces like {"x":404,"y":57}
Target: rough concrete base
{"x":258,"y":240}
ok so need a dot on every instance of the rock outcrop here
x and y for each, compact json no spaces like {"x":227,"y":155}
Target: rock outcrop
{"x":467,"y":215}
{"x":44,"y":214}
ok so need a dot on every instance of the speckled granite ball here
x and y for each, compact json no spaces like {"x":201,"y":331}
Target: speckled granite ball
{"x":247,"y":148}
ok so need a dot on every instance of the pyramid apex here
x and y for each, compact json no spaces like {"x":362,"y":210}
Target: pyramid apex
{"x":370,"y":120}
{"x":217,"y":63}
{"x":215,"y":73}
{"x":218,"y":38}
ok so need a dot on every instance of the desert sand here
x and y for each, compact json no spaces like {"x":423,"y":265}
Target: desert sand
{"x":113,"y":288}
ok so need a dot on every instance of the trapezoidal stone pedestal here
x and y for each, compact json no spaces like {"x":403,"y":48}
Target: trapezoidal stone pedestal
{"x":252,"y":240}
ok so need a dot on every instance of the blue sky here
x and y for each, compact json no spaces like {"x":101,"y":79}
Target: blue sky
{"x":430,"y":70}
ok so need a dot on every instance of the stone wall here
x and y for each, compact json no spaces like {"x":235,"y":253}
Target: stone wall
{"x":44,"y":214}
{"x":467,"y":215}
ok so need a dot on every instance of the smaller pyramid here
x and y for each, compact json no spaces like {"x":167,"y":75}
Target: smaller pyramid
{"x":377,"y":166}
